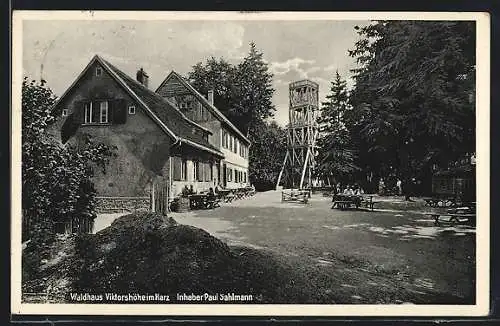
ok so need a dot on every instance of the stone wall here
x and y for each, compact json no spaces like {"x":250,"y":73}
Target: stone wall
{"x":122,"y":204}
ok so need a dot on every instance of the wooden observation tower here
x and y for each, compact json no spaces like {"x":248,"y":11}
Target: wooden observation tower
{"x":298,"y":165}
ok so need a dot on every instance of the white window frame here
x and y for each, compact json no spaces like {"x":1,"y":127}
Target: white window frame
{"x":64,"y":112}
{"x":103,"y":109}
{"x":184,"y":170}
{"x":131,"y":109}
{"x":183,"y":105}
{"x":195,"y":170}
{"x":88,"y":113}
{"x":98,"y":71}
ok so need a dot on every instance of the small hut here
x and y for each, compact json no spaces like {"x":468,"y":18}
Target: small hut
{"x":458,"y":181}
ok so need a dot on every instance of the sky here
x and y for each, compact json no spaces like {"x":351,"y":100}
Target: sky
{"x":294,"y":50}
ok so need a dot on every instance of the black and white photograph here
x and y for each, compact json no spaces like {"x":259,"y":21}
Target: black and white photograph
{"x":250,"y":163}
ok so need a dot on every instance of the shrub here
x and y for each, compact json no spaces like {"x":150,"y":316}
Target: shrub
{"x":56,"y":179}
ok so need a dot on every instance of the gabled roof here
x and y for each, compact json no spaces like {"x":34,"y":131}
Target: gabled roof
{"x":167,"y":116}
{"x":205,"y":102}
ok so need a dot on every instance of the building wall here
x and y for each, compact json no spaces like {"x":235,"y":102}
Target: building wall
{"x":182,"y":97}
{"x":142,"y":148}
{"x":190,"y":155}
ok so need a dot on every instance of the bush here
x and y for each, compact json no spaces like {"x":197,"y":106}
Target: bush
{"x":56,"y":179}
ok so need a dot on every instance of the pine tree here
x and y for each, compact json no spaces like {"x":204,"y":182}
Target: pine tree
{"x":335,"y":155}
{"x":255,"y":91}
{"x":414,"y":93}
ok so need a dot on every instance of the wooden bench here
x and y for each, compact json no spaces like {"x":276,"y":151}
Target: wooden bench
{"x":300,"y":196}
{"x":342,"y":204}
{"x":453,"y":217}
{"x":370,"y":204}
{"x":229,"y":198}
{"x":212,"y":202}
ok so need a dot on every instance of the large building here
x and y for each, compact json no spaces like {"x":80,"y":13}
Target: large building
{"x":233,"y":169}
{"x":162,"y":143}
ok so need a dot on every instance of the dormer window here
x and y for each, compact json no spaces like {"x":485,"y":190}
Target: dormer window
{"x":64,"y":112}
{"x":131,"y":109}
{"x":98,"y":71}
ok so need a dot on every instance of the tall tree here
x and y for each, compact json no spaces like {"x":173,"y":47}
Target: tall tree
{"x":414,"y":93}
{"x":336,"y":157}
{"x":243,"y":92}
{"x":254,"y":90}
{"x":266,"y":155}
{"x":220,"y":76}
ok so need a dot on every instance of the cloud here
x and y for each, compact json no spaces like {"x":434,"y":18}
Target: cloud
{"x":295,"y":64}
{"x":332,"y":67}
{"x":227,"y":37}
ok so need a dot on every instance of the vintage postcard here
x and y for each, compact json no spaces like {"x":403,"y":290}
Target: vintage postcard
{"x":271,"y":163}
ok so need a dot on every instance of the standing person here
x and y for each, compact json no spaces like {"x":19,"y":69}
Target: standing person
{"x":408,"y":189}
{"x":381,"y":186}
{"x":398,"y":185}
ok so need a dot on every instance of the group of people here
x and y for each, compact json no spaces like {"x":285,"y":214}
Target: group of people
{"x":400,"y":188}
{"x":349,"y":190}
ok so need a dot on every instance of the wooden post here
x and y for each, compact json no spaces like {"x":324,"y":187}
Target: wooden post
{"x":281,"y":172}
{"x":304,"y":170}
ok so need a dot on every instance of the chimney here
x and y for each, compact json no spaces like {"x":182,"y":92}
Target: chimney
{"x":210,"y":97}
{"x":142,"y":77}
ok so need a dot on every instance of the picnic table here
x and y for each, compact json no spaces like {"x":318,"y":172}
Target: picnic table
{"x":444,"y":200}
{"x":203,"y":201}
{"x":226,"y":195}
{"x":240,"y":193}
{"x":342,"y":201}
{"x":455,"y":215}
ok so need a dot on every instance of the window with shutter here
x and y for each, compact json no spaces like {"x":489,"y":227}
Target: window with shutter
{"x":177,"y":168}
{"x":200,"y":171}
{"x":204,"y":168}
{"x":79,"y":112}
{"x":120,"y":111}
{"x":69,"y":128}
{"x":96,"y":111}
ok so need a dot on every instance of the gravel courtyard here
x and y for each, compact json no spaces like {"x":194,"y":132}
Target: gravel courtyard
{"x":364,"y":250}
{"x":385,"y":256}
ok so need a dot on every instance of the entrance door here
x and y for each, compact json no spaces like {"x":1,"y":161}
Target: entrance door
{"x":224,"y":175}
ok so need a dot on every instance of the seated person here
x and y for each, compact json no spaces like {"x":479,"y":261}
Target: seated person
{"x":348,"y":191}
{"x":191,"y":190}
{"x":359,"y":191}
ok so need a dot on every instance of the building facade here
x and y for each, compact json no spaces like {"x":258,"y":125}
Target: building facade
{"x":159,"y":148}
{"x":232,"y":171}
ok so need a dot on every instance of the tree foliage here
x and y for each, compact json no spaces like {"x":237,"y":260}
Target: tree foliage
{"x":336,"y":155}
{"x":414,"y":94}
{"x":56,"y":179}
{"x":243,"y":92}
{"x":266,"y":155}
